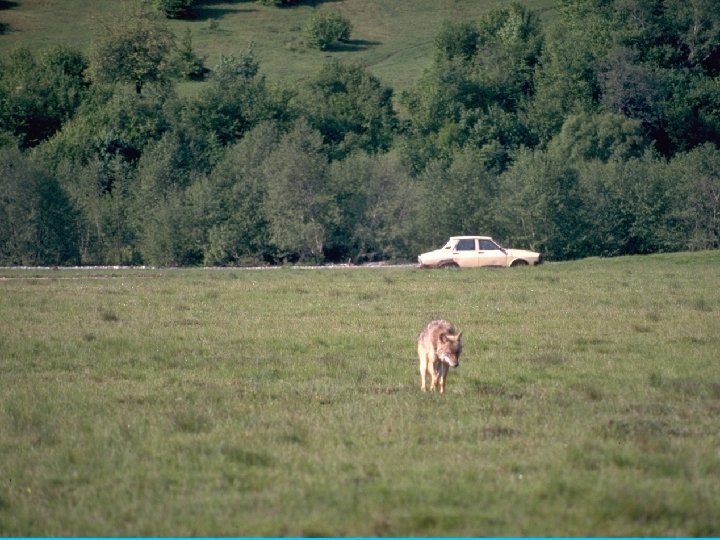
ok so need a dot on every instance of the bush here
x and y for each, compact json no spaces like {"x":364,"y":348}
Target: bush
{"x":175,"y":9}
{"x":325,"y":27}
{"x":190,"y":65}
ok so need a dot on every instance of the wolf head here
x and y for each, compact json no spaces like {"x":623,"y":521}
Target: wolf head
{"x":449,"y":349}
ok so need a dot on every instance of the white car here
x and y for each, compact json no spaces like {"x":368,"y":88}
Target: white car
{"x":476,"y":251}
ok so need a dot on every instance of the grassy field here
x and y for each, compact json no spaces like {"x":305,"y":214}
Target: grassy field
{"x":286,"y":401}
{"x":392,"y":38}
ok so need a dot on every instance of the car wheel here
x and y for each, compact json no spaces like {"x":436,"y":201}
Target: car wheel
{"x":519,"y":262}
{"x":448,"y":265}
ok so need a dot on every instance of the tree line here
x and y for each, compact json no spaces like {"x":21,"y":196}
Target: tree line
{"x":595,"y":135}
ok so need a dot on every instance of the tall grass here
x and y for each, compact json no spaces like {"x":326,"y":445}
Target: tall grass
{"x":287,"y":402}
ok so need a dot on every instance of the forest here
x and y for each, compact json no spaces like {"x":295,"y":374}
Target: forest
{"x":593,"y":134}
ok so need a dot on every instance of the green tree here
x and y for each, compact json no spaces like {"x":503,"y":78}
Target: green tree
{"x":38,"y":95}
{"x":37,"y":220}
{"x":158,"y":207}
{"x":670,"y":33}
{"x":467,"y":193}
{"x":543,"y":206}
{"x":456,"y":39}
{"x":565,"y":81}
{"x":627,"y":87}
{"x":651,"y":61}
{"x":378,"y":209}
{"x":690,"y":111}
{"x":628,"y":207}
{"x":509,"y":45}
{"x":190,"y":66}
{"x":586,"y":137}
{"x":325,"y":27}
{"x":351,"y":108}
{"x":174,"y":232}
{"x":236,"y":99}
{"x":297,"y":205}
{"x":473,"y":92}
{"x":102,"y":192}
{"x":135,"y":48}
{"x":239,"y":229}
{"x":109,"y":125}
{"x":174,"y":9}
{"x":696,"y":193}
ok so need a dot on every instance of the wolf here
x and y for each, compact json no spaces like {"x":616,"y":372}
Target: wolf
{"x":438,"y":347}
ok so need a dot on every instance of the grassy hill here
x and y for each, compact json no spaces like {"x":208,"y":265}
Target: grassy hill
{"x":286,"y":402}
{"x":393,"y":38}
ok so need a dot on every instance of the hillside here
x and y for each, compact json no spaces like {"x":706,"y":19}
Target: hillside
{"x":393,"y":39}
{"x":575,"y":132}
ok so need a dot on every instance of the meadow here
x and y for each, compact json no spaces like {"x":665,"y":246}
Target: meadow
{"x":281,"y":402}
{"x":394,"y":40}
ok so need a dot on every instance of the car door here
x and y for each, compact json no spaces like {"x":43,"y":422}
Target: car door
{"x":465,"y":253}
{"x":490,"y":254}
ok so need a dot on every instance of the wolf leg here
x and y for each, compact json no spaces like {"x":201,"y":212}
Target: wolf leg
{"x":442,"y":376}
{"x":435,"y":375}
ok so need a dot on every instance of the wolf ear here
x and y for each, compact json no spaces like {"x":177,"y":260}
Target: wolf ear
{"x":459,"y":335}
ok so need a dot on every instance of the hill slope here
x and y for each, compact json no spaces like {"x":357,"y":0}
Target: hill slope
{"x":394,"y":39}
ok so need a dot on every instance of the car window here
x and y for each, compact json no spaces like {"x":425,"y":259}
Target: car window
{"x":465,"y":244}
{"x":488,"y":245}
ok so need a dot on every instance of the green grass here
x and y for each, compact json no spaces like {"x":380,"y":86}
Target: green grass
{"x":392,"y":38}
{"x":287,"y":402}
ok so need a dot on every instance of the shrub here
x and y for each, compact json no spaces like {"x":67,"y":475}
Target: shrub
{"x":325,"y":27}
{"x":175,"y":9}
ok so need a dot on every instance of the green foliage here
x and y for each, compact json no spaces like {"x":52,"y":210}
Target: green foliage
{"x":297,"y":202}
{"x":696,"y":188}
{"x":174,"y":233}
{"x":465,"y":191}
{"x":628,"y":88}
{"x":236,"y":99}
{"x":175,"y":9}
{"x":102,"y":192}
{"x":325,"y":27}
{"x":167,"y":221}
{"x":351,"y":108}
{"x":541,"y":195}
{"x":472,"y":93}
{"x":190,"y":66}
{"x":638,"y":59}
{"x":109,"y":125}
{"x":565,"y":82}
{"x":456,"y":39}
{"x":588,"y":137}
{"x":133,"y":49}
{"x":240,"y":233}
{"x":378,"y":209}
{"x":691,"y":116}
{"x":593,"y":134}
{"x":37,"y":220}
{"x":38,"y":95}
{"x":509,"y":44}
{"x":627,"y":208}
